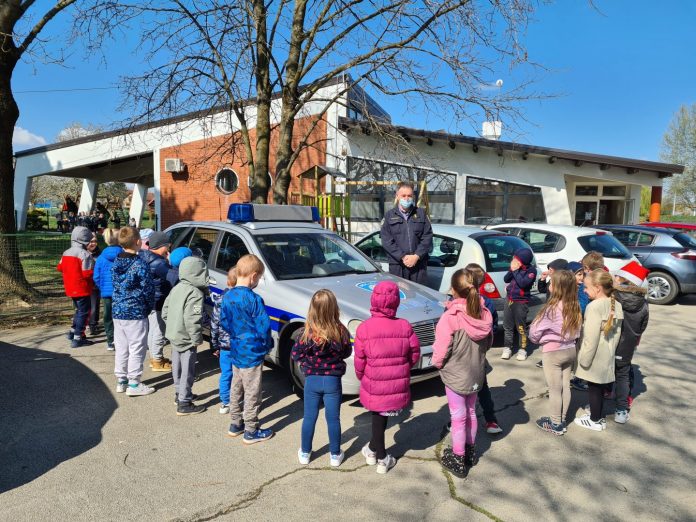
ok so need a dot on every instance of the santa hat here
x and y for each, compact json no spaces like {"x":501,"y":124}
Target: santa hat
{"x":634,"y":272}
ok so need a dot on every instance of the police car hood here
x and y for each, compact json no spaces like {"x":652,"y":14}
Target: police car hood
{"x":353,"y":292}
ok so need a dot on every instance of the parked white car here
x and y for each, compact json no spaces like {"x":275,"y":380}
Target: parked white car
{"x":454,"y":247}
{"x":302,"y":257}
{"x":549,"y":242}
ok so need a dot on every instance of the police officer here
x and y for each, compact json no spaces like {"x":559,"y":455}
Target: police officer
{"x":407,"y":236}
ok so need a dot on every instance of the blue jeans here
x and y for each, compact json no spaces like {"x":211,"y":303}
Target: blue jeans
{"x":81,"y":317}
{"x":225,"y":376}
{"x":326,"y":389}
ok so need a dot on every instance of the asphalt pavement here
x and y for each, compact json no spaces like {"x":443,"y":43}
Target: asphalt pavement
{"x":71,"y":448}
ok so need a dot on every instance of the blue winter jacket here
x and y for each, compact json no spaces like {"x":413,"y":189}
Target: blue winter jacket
{"x":219,"y":338}
{"x":159,"y":268}
{"x":520,"y":283}
{"x":102,"y":270}
{"x":491,"y":308}
{"x":244,"y":317}
{"x":583,"y":298}
{"x":133,"y":297}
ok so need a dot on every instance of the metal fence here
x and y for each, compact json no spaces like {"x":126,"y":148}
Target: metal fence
{"x":39,"y":253}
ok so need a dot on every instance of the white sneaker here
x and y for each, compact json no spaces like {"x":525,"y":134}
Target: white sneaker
{"x":121,"y":386}
{"x":336,"y":460}
{"x":521,"y":355}
{"x":385,"y":464}
{"x":304,"y":457}
{"x":370,"y":456}
{"x":622,"y":416}
{"x":140,"y":389}
{"x":586,"y":422}
{"x":507,"y":353}
{"x":224,"y":409}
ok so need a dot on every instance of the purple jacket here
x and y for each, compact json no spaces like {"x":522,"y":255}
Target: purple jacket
{"x":385,"y":350}
{"x":546,"y":332}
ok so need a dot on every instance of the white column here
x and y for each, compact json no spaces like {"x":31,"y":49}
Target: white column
{"x":138,"y":203}
{"x":22,"y":191}
{"x":158,"y":195}
{"x":89,"y":195}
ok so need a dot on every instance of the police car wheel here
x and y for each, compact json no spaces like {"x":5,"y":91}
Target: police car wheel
{"x":294,"y":371}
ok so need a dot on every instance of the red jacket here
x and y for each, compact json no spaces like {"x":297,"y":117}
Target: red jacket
{"x":386,"y":348}
{"x":77,"y":266}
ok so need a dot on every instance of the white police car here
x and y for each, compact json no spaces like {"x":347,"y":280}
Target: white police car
{"x":301,"y":257}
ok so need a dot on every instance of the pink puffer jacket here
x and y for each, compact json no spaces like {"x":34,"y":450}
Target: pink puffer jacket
{"x":385,"y":350}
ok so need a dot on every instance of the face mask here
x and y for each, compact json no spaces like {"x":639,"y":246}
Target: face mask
{"x":406,"y":203}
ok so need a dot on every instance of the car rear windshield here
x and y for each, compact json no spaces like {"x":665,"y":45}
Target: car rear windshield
{"x":498,"y":250}
{"x":685,"y":240}
{"x":606,"y":245}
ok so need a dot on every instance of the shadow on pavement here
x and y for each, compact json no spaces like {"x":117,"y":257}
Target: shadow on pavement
{"x":53,"y":409}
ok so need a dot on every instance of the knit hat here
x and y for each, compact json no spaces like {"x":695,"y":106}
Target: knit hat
{"x":634,"y":272}
{"x":82,"y":235}
{"x":558,"y":264}
{"x":145,"y":233}
{"x":524,"y":255}
{"x":574,"y":267}
{"x":158,"y":239}
{"x":178,"y":255}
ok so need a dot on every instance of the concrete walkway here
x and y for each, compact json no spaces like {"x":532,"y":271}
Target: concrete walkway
{"x":71,"y":448}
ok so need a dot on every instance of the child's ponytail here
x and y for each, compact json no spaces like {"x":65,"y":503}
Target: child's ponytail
{"x":464,"y":285}
{"x":610,"y":321}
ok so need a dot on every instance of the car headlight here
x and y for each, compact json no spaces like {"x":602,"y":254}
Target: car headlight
{"x":353,"y":327}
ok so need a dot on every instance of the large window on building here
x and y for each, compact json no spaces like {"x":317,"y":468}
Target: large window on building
{"x":490,"y":202}
{"x":370,"y":200}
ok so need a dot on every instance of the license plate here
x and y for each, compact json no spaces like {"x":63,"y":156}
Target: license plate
{"x":426,"y":361}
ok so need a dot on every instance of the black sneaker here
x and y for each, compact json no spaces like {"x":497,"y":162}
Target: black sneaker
{"x":470,"y":456}
{"x":70,"y":335}
{"x":189,"y":408}
{"x":235,"y":430}
{"x":454,"y":463}
{"x":176,"y":398}
{"x":93,"y":330}
{"x":79,"y":343}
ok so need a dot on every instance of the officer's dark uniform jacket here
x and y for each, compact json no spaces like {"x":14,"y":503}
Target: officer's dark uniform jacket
{"x":401,"y":237}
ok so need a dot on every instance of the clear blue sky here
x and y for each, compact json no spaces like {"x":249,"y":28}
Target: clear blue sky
{"x":621,"y":71}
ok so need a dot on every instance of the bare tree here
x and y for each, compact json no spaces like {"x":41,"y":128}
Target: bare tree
{"x":21,"y":23}
{"x":679,"y":146}
{"x":233,"y":57}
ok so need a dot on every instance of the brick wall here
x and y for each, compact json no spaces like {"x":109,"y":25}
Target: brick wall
{"x":192,"y":195}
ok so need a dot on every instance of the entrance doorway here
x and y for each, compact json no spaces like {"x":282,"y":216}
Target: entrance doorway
{"x":600,"y":204}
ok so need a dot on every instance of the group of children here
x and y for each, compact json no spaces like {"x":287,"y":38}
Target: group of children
{"x":591,"y":324}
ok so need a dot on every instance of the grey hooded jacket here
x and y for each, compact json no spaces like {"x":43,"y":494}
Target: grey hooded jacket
{"x":183,"y":308}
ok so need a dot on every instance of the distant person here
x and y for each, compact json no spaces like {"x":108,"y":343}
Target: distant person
{"x":183,"y":314}
{"x":69,"y":205}
{"x":407,"y":236}
{"x":386,"y":348}
{"x":77,"y":267}
{"x":245,"y":318}
{"x":600,"y":336}
{"x":629,"y":291}
{"x":321,"y":350}
{"x":133,"y":299}
{"x":156,"y":259}
{"x":556,"y":329}
{"x":131,"y":222}
{"x":519,"y":279}
{"x":103,"y":272}
{"x":220,"y":340}
{"x":463,"y":335}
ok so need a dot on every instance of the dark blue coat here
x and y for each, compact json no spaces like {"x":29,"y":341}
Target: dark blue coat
{"x":402,"y":237}
{"x":520,"y":283}
{"x":159,"y":268}
{"x":133,"y":296}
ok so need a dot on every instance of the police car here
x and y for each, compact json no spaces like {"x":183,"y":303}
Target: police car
{"x":302,"y":257}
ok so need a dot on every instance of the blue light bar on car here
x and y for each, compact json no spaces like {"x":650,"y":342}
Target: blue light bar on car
{"x":249,"y":212}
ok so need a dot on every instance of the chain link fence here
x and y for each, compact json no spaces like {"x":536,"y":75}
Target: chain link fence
{"x":39,"y":253}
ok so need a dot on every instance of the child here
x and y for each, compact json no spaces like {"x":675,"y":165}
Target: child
{"x":321,"y":351}
{"x":220,"y":342}
{"x":386,"y":348}
{"x":176,"y":256}
{"x":600,"y":335}
{"x":95,"y":298}
{"x":102,"y":278}
{"x":484,"y":396}
{"x":631,"y":295}
{"x":556,"y":329}
{"x":183,"y":313}
{"x":520,"y":279}
{"x":579,"y":273}
{"x":545,"y":278}
{"x":77,"y":266}
{"x":133,"y":299}
{"x":462,"y":338}
{"x":244,"y":317}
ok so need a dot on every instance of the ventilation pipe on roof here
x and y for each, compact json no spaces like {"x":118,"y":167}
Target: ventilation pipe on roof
{"x":492,"y":130}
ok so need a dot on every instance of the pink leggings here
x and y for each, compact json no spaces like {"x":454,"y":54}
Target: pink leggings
{"x":464,"y":423}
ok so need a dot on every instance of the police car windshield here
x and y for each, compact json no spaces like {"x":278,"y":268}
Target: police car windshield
{"x":311,"y":255}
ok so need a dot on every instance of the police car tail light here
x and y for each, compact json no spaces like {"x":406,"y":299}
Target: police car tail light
{"x":248,"y":212}
{"x":489,"y":289}
{"x":353,"y":327}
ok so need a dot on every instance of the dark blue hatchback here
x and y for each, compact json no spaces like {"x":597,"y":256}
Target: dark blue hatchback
{"x":669,"y":254}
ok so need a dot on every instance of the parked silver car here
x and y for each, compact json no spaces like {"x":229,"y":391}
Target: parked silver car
{"x":302,"y":257}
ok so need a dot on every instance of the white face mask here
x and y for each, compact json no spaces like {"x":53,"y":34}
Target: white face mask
{"x":406,"y":203}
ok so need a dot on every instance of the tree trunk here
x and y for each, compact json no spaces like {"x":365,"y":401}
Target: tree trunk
{"x":283,"y":154}
{"x":12,"y":277}
{"x":259,"y":172}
